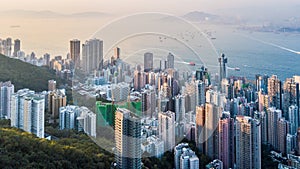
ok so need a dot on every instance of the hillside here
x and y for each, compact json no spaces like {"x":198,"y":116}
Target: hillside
{"x":20,"y":149}
{"x":25,"y":75}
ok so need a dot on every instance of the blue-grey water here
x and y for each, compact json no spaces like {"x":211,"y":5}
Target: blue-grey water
{"x":252,"y":52}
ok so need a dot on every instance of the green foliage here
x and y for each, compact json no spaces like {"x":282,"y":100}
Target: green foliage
{"x":25,"y":75}
{"x":167,"y":160}
{"x":266,"y":160}
{"x":20,"y":149}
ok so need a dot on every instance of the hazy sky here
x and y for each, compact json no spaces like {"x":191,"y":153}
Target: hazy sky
{"x":129,"y":6}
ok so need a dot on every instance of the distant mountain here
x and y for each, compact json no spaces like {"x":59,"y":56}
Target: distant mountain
{"x":49,"y":14}
{"x":25,"y":75}
{"x":32,"y":14}
{"x":197,"y":16}
{"x":89,"y":14}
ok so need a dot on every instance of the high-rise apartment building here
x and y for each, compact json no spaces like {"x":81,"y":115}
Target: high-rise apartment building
{"x":282,"y":131}
{"x":166,"y":125}
{"x":56,"y":99}
{"x":273,"y":115}
{"x":248,"y":143}
{"x":92,"y":55}
{"x":226,"y":140}
{"x":200,"y":128}
{"x":128,"y":150}
{"x":27,"y":110}
{"x":275,"y":91}
{"x":75,"y":52}
{"x":212,"y":115}
{"x":293,"y":116}
{"x":7,"y":89}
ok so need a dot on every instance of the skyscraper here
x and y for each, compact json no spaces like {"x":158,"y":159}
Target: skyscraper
{"x":200,"y":128}
{"x":166,"y":129}
{"x":128,"y":140}
{"x":293,"y":119}
{"x":75,"y":52}
{"x":248,"y":143}
{"x":170,"y":61}
{"x":86,"y":121}
{"x":138,"y":79}
{"x":226,"y":140}
{"x":6,"y":91}
{"x":262,"y":83}
{"x":92,"y":55}
{"x":17,"y":47}
{"x":148,"y":62}
{"x":38,"y":115}
{"x":291,"y":94}
{"x":7,"y":47}
{"x":273,"y":116}
{"x":148,"y":102}
{"x":117,"y":52}
{"x":212,"y":115}
{"x":47,"y":59}
{"x":179,"y":108}
{"x":67,"y":117}
{"x":275,"y":91}
{"x":222,"y":64}
{"x":282,"y":130}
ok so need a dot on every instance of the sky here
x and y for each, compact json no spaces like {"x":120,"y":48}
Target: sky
{"x":130,"y":6}
{"x":55,"y":33}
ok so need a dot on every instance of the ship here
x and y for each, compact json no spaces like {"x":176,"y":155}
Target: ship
{"x":237,"y":69}
{"x":192,"y":63}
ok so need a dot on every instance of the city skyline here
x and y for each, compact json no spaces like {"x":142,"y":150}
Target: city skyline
{"x":149,"y":84}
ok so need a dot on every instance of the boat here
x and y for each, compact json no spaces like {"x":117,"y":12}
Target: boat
{"x":192,"y":64}
{"x":237,"y":69}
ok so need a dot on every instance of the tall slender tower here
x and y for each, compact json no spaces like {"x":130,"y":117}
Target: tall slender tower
{"x":293,"y":119}
{"x":226,"y":140}
{"x":75,"y":51}
{"x":17,"y":47}
{"x":222,"y":62}
{"x":248,"y":143}
{"x":128,"y":150}
{"x":200,"y":128}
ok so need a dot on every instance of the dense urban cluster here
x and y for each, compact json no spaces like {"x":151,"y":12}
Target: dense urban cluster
{"x":151,"y":107}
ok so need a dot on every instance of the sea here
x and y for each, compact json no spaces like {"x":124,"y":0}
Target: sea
{"x":248,"y":52}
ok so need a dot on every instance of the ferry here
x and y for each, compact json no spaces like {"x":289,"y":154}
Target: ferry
{"x":192,"y":63}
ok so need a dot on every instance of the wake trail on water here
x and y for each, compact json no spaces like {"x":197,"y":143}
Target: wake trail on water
{"x":272,"y":44}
